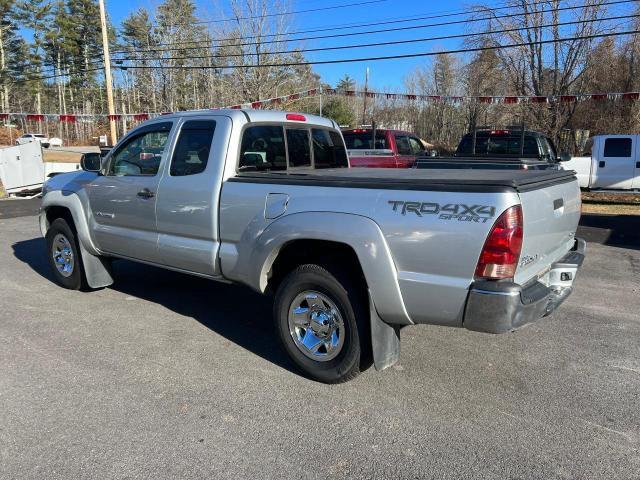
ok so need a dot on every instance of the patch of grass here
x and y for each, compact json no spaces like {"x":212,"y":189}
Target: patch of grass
{"x":611,"y":203}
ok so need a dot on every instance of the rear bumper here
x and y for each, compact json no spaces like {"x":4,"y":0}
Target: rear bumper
{"x":499,"y":307}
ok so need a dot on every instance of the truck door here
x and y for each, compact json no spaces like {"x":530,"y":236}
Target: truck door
{"x":615,"y":163}
{"x":123,"y":200}
{"x":188,"y":196}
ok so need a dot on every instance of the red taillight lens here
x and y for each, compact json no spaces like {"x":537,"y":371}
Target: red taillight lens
{"x":501,"y":252}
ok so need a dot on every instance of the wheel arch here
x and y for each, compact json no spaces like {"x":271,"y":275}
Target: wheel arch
{"x":347,"y":234}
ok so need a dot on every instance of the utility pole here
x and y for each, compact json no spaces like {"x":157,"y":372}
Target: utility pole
{"x":366,"y":88}
{"x":107,"y":73}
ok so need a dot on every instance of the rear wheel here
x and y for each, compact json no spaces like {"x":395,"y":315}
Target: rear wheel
{"x":321,"y":321}
{"x":64,"y":255}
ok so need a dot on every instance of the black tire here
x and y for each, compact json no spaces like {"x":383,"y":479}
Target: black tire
{"x":351,"y":301}
{"x":76,"y":279}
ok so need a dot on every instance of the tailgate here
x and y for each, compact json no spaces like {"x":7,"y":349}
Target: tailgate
{"x":550,"y":214}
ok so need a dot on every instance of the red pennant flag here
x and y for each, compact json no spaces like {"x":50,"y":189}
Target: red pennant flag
{"x":68,"y":118}
{"x":568,"y":98}
{"x":434,"y":98}
{"x":293,"y":96}
{"x":140,"y":117}
{"x":330,"y":91}
{"x":485,"y":99}
{"x":350,"y":93}
{"x":4,"y":116}
{"x":539,"y":99}
{"x":510,"y":100}
{"x":631,"y":96}
{"x":235,"y":107}
{"x":313,"y":92}
{"x":276,"y":101}
{"x":35,"y":118}
{"x":256,"y":105}
{"x":370,"y":94}
{"x":115,"y":117}
{"x":411,"y":97}
{"x":599,"y":96}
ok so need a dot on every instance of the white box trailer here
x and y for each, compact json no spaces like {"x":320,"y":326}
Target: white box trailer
{"x":614,"y":163}
{"x":23,"y":171}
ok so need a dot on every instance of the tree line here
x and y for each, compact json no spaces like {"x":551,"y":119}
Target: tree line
{"x":50,"y":61}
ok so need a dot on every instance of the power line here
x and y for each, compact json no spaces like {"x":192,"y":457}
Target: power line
{"x":396,"y":42}
{"x":371,"y":32}
{"x":415,"y":18}
{"x":280,"y":14}
{"x":388,"y":57}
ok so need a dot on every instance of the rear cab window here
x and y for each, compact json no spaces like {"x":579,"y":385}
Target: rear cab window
{"x":364,"y":140}
{"x":499,"y":145}
{"x":280,"y":147}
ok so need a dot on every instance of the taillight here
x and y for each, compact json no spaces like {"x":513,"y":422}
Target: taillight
{"x":501,"y":251}
{"x":296,"y":117}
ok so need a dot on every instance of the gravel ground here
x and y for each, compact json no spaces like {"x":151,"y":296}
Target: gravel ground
{"x":168,"y":376}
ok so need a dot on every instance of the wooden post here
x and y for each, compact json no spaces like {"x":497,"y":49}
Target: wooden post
{"x":107,"y":73}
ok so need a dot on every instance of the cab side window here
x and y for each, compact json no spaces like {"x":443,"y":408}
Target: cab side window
{"x":617,"y":147}
{"x":192,"y":148}
{"x":263,"y":148}
{"x":142,"y":153}
{"x":403,"y":146}
{"x":416,"y":146}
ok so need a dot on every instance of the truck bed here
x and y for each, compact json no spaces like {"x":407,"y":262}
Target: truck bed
{"x":415,"y":179}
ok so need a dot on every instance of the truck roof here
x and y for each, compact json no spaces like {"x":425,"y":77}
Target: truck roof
{"x":381,"y":130}
{"x":250,"y":115}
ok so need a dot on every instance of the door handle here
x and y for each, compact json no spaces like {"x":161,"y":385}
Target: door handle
{"x":637,"y":164}
{"x":146,"y":193}
{"x":601,"y":164}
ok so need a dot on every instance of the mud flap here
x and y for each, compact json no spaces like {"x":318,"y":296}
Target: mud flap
{"x":96,"y":269}
{"x":385,"y":340}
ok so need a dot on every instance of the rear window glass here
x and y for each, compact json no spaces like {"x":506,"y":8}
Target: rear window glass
{"x":263,"y":148}
{"x":498,"y":145}
{"x":617,"y":147}
{"x":364,"y":141}
{"x":328,"y":149}
{"x":299,"y":147}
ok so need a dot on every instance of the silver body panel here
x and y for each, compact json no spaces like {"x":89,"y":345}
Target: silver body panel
{"x":419,"y":266}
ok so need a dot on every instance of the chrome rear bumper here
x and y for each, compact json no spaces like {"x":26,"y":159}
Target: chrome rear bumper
{"x":499,"y":307}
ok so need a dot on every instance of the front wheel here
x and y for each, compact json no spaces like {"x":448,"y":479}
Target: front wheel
{"x":321,"y":322}
{"x":64,"y":255}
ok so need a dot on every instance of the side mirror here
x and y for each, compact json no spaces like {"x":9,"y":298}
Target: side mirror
{"x":564,"y":157}
{"x":91,"y":162}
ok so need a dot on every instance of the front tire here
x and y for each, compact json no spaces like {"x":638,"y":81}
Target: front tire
{"x":64,"y":256}
{"x":321,"y":319}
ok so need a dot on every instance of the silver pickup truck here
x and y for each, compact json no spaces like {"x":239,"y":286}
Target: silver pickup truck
{"x":266,"y":199}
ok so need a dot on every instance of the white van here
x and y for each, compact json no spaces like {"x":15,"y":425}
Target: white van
{"x":614,"y":163}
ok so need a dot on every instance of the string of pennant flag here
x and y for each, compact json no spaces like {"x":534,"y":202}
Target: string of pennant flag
{"x":314,"y":92}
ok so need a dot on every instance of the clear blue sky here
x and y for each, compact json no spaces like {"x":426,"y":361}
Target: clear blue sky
{"x":383,"y":74}
{"x":388,"y":73}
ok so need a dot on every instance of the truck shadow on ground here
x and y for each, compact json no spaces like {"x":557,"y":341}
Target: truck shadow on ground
{"x":237,"y":313}
{"x":613,"y":230}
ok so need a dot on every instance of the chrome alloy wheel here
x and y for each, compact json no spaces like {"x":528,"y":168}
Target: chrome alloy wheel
{"x":62,"y":255}
{"x":316,"y":326}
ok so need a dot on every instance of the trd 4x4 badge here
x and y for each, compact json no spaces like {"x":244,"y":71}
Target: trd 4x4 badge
{"x":450,"y":211}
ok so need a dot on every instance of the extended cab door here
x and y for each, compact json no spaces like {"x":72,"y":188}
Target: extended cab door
{"x":122,"y":201}
{"x":615,"y":164}
{"x":408,"y":148}
{"x":188,"y":196}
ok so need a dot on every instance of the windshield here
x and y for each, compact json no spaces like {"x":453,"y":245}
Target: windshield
{"x":364,"y":141}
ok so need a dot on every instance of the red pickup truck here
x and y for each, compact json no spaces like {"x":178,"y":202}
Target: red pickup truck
{"x":392,"y":148}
